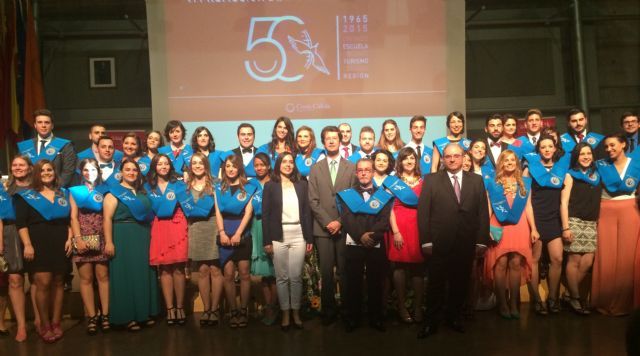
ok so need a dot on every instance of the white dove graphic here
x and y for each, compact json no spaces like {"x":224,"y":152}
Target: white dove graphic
{"x":310,"y":50}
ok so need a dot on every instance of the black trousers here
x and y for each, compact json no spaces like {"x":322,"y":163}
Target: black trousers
{"x":373,"y":262}
{"x":448,"y":284}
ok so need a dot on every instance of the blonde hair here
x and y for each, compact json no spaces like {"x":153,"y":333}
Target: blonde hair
{"x":518,"y":173}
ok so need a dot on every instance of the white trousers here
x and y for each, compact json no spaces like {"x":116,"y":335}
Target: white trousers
{"x":288,"y":261}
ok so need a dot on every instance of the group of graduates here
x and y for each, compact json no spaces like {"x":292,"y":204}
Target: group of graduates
{"x":485,"y":216}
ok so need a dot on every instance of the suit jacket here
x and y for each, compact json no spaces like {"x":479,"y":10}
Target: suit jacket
{"x":322,"y":194}
{"x":272,"y":211}
{"x":64,"y":163}
{"x":356,"y":224}
{"x":450,"y":225}
{"x":239,"y":153}
{"x":503,"y":146}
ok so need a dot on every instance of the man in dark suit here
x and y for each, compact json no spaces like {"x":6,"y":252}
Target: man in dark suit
{"x":46,"y":146}
{"x":493,"y":126}
{"x":365,"y":218}
{"x":453,"y":217}
{"x":347,"y":149}
{"x":329,"y":176}
{"x":246,"y":137}
{"x":629,"y":124}
{"x":577,"y":124}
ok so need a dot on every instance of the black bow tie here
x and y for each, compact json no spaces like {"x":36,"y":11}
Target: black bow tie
{"x":106,"y":165}
{"x":247,"y":150}
{"x":367,"y":190}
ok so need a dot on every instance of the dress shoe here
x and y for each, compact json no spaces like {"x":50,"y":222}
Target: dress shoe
{"x":456,"y":325}
{"x":427,"y":331}
{"x":378,"y":325}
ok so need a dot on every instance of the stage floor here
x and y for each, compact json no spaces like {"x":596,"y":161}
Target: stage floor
{"x":565,"y":334}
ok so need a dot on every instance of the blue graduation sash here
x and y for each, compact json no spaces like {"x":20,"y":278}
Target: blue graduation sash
{"x":611,"y":178}
{"x":114,"y":178}
{"x":88,"y":153}
{"x":59,"y":209}
{"x":568,"y":143}
{"x":354,"y":158}
{"x":516,"y":149}
{"x":234,"y":204}
{"x":488,"y":172}
{"x":145,"y":163}
{"x":504,"y":213}
{"x":164,"y":204}
{"x":265,"y":149}
{"x":248,"y":168}
{"x":256,"y":200}
{"x":590,"y":177}
{"x":28,"y":148}
{"x":90,"y":200}
{"x":304,"y":163}
{"x":357,"y":205}
{"x":191,"y":208}
{"x":140,"y":211}
{"x":180,"y":161}
{"x":400,"y":190}
{"x":425,"y":160}
{"x":442,"y":142}
{"x":7,"y":210}
{"x":550,"y":179}
{"x":526,"y":147}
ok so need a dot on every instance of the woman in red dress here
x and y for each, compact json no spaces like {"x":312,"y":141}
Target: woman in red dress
{"x":403,"y":242}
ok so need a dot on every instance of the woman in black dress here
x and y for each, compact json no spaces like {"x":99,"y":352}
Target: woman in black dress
{"x":42,"y":219}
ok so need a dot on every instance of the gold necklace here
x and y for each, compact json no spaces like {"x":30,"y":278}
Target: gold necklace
{"x":411,"y":181}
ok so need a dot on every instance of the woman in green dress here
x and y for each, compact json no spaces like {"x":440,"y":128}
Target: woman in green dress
{"x":133,"y":292}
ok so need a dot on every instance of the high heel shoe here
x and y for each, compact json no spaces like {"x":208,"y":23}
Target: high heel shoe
{"x":181,"y":317}
{"x":46,"y":334}
{"x":553,"y":306}
{"x":539,"y":308}
{"x":243,"y":318}
{"x":105,"y":325}
{"x":204,"y":318}
{"x":56,"y":329}
{"x":404,"y":316}
{"x":92,"y":325}
{"x":171,"y":316}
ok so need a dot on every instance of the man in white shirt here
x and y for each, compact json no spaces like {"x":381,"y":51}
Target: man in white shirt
{"x":246,"y":150}
{"x":105,"y":159}
{"x":418,"y":127}
{"x":533,"y":125}
{"x":347,"y":149}
{"x":367,"y":143}
{"x":493,"y":127}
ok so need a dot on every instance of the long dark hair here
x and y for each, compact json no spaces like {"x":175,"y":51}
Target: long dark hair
{"x":404,"y":153}
{"x":93,"y":162}
{"x":242,"y":176}
{"x":312,"y":142}
{"x":295,"y":175}
{"x":160,"y":142}
{"x":556,"y":155}
{"x":36,"y":178}
{"x":194,"y":139}
{"x":152,"y":176}
{"x":139,"y":181}
{"x":289,"y":140}
{"x":389,"y":155}
{"x":575,"y":155}
{"x":486,"y":151}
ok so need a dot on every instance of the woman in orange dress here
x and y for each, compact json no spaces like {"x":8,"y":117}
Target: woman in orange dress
{"x":508,"y":261}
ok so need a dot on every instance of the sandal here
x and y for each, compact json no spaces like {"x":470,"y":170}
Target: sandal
{"x":133,"y":326}
{"x":553,"y":306}
{"x":181,"y":317}
{"x":150,"y":322}
{"x":214,"y":317}
{"x":105,"y":326}
{"x":57,"y":331}
{"x":171,"y":316}
{"x":46,"y":334}
{"x":576,"y":306}
{"x":270,"y":315}
{"x":404,"y":316}
{"x":539,"y":308}
{"x":243,"y":318}
{"x":233,"y":322}
{"x":92,"y":325}
{"x":204,"y":319}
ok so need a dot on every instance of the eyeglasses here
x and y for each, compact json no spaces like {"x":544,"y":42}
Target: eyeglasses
{"x":630,"y":122}
{"x":454,"y":156}
{"x":364,"y":170}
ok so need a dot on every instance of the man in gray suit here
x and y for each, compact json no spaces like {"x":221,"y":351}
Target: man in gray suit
{"x":46,"y":146}
{"x":328,"y":176}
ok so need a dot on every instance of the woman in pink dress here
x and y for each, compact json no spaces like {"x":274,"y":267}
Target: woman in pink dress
{"x":169,"y":240}
{"x":403,"y":243}
{"x":508,"y":261}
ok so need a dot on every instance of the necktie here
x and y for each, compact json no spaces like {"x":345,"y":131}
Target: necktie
{"x":42,"y":145}
{"x":106,"y":165}
{"x":419,"y":150}
{"x":456,"y":187}
{"x":632,"y":144}
{"x":580,"y":137}
{"x":247,"y":150}
{"x":534,"y":140}
{"x":346,"y":151}
{"x":333,"y":171}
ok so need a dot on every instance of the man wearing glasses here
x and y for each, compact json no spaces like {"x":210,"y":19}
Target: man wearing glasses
{"x":629,"y":123}
{"x":453,"y":217}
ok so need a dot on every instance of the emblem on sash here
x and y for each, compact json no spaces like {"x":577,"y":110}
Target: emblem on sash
{"x":591,"y":140}
{"x":242,"y":196}
{"x":308,"y":161}
{"x":629,"y":182}
{"x":50,"y":150}
{"x":171,"y":196}
{"x":98,"y":198}
{"x":427,"y":159}
{"x":593,"y":177}
{"x":555,"y":180}
{"x":374,"y":204}
{"x":62,"y":201}
{"x":466,"y":144}
{"x":118,"y":175}
{"x":143,"y":166}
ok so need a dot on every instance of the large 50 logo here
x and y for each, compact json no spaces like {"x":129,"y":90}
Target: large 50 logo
{"x":303,"y":47}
